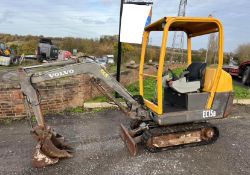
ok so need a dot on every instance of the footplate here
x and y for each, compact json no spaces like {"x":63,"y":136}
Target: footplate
{"x":128,"y":140}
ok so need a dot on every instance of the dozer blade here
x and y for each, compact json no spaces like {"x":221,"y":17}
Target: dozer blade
{"x":129,"y":141}
{"x":39,"y":159}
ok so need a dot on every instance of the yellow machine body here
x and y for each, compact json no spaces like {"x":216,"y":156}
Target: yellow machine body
{"x":216,"y":80}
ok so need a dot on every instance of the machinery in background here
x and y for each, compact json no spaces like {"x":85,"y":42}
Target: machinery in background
{"x":110,"y":59}
{"x":4,"y":51}
{"x":64,"y":55}
{"x":239,"y":70}
{"x":46,"y":50}
{"x":106,"y":60}
{"x":6,"y":55}
{"x":176,"y":116}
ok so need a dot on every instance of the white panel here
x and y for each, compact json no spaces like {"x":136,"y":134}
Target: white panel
{"x":134,"y":19}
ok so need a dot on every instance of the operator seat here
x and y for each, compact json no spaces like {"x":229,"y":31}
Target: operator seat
{"x":191,"y":80}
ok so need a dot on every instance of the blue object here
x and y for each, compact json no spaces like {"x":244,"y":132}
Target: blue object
{"x":148,"y":21}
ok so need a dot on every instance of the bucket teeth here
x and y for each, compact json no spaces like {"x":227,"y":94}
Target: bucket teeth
{"x":59,"y":143}
{"x":50,"y":147}
{"x":39,"y":159}
{"x":52,"y":151}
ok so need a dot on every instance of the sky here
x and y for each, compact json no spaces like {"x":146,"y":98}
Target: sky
{"x":94,"y":18}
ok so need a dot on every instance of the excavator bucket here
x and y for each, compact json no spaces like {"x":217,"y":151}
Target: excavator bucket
{"x":128,"y":140}
{"x":50,"y":147}
{"x":39,"y":159}
{"x":58,"y":141}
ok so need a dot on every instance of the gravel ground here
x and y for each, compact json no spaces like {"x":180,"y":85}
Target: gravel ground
{"x":99,"y":150}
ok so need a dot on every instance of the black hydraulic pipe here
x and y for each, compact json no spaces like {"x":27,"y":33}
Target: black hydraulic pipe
{"x":119,"y":55}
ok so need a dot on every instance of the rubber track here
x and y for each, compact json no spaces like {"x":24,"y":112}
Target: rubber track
{"x":164,"y":130}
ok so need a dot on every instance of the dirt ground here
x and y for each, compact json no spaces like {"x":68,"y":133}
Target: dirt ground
{"x":99,"y":149}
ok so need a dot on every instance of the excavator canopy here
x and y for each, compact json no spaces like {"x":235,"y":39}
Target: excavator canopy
{"x":193,"y":26}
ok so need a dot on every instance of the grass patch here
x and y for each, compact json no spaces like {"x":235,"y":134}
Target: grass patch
{"x":102,"y":109}
{"x":33,"y":118}
{"x":79,"y":110}
{"x":149,"y":88}
{"x":178,"y":71}
{"x":241,"y":92}
{"x":98,"y":99}
{"x":111,"y":68}
{"x":75,"y":110}
{"x":7,"y":122}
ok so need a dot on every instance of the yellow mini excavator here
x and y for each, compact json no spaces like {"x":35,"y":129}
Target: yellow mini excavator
{"x":176,"y":118}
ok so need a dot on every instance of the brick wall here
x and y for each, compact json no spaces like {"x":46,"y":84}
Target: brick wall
{"x":11,"y":103}
{"x":57,"y":95}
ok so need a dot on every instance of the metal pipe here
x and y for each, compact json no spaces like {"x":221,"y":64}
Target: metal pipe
{"x":119,"y":56}
{"x":59,"y":63}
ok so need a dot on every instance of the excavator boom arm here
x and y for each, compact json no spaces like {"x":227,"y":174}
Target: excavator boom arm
{"x":89,"y":68}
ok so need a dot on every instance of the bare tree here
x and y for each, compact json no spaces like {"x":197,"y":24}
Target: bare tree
{"x":212,"y":50}
{"x":243,"y":52}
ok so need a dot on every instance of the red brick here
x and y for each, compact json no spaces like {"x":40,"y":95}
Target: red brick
{"x":17,"y":94}
{"x":19,"y":108}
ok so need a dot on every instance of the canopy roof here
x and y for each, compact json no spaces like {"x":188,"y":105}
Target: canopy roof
{"x":193,"y":26}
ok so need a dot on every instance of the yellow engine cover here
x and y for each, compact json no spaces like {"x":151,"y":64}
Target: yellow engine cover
{"x":225,"y":82}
